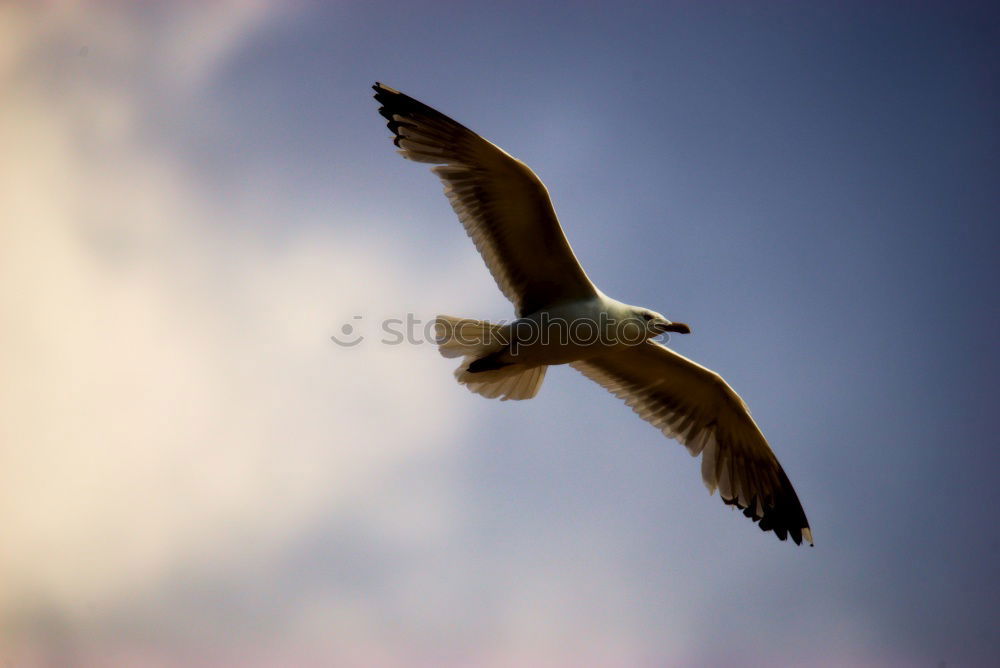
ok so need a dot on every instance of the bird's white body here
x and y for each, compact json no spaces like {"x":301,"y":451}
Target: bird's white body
{"x":572,"y":332}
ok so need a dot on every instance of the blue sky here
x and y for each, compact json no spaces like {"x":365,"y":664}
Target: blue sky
{"x":200,"y":196}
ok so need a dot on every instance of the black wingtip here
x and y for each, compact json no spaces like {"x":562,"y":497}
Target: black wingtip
{"x":783,"y":515}
{"x":395,"y":104}
{"x":392,"y":103}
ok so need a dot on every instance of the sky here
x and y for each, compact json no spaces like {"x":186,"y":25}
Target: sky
{"x":197,"y":197}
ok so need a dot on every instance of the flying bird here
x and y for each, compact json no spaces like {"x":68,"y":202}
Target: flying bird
{"x":562,"y":318}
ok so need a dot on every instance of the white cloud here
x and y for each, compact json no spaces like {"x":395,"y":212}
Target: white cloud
{"x":169,"y":387}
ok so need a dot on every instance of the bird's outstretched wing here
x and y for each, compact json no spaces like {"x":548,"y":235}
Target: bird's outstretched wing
{"x":504,"y":207}
{"x":697,"y":407}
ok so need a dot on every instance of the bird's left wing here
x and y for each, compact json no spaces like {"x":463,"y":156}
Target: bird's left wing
{"x":503,"y":205}
{"x":697,"y":407}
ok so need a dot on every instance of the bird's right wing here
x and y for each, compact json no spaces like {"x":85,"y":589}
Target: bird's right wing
{"x":697,"y":407}
{"x":504,"y":207}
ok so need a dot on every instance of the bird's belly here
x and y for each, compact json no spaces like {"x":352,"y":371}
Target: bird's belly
{"x":561,"y":336}
{"x":539,"y":353}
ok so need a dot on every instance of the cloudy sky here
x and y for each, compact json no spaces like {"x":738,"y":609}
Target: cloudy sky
{"x":196,"y":197}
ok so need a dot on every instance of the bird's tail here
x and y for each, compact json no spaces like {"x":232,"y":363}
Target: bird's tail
{"x":477,"y":341}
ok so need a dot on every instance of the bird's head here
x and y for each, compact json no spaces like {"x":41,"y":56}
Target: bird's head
{"x":655,"y":324}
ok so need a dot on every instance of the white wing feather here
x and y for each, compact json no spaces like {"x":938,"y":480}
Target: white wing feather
{"x":697,"y":407}
{"x":504,"y":207}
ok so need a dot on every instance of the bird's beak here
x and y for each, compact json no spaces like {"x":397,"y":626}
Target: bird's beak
{"x":667,"y":326}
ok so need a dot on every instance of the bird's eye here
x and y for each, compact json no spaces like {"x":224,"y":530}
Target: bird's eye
{"x":647,"y":316}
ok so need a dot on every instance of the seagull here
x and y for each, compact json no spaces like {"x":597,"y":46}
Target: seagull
{"x":562,"y":318}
